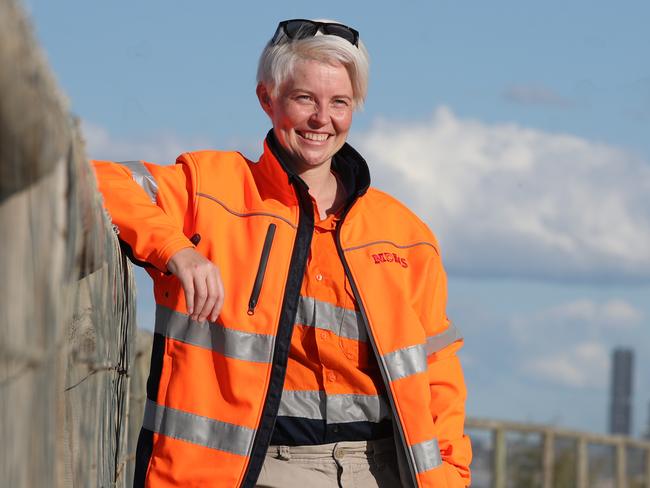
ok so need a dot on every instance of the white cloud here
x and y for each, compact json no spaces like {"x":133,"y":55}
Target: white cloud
{"x":161,"y":148}
{"x":580,"y":366}
{"x":569,"y":344}
{"x":622,"y":313}
{"x":612,"y":313}
{"x":506,"y":200}
{"x":577,"y":320}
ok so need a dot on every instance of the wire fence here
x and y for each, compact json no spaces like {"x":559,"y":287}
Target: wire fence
{"x":66,"y":292}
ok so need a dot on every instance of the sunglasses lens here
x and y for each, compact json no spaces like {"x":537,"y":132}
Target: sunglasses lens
{"x":340,"y":31}
{"x":299,"y":29}
{"x":302,"y":29}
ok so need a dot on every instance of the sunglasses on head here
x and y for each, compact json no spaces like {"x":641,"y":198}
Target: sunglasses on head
{"x":304,"y":28}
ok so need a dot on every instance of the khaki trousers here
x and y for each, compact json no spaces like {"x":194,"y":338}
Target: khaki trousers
{"x":364,"y":464}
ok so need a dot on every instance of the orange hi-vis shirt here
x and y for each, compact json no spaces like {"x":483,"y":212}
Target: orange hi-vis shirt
{"x":333,"y":389}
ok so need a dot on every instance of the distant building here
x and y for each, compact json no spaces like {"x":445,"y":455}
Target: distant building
{"x":620,"y":407}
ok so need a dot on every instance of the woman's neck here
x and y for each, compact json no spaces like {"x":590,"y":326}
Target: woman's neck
{"x":324,"y":187}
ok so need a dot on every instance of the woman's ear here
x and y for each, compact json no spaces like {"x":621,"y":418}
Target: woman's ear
{"x":264,"y":97}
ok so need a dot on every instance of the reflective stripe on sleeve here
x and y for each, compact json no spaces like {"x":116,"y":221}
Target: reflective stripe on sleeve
{"x":143,"y":177}
{"x":197,"y":429}
{"x":322,"y":315}
{"x":427,"y":455}
{"x":405,"y":362}
{"x":438,"y":342}
{"x":335,"y":409}
{"x":214,"y":336}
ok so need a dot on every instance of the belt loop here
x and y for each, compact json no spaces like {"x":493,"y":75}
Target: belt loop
{"x":284,"y":453}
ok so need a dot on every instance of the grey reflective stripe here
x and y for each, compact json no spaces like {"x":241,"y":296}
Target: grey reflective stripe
{"x":427,"y":455}
{"x":143,"y":177}
{"x":306,"y":404}
{"x":209,"y":335}
{"x":322,"y":315}
{"x":335,"y":409}
{"x":356,"y":408}
{"x":196,"y":429}
{"x":405,"y":362}
{"x":439,"y":341}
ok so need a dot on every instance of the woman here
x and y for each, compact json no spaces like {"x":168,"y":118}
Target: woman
{"x":300,"y":324}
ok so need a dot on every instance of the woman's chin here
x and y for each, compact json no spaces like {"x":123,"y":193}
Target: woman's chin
{"x":310,"y":159}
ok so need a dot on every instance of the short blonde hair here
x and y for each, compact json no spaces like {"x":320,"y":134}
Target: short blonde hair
{"x":278,"y":59}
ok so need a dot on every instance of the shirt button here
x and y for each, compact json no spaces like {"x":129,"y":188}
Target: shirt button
{"x":331,"y":376}
{"x":324,"y":335}
{"x":319,"y":277}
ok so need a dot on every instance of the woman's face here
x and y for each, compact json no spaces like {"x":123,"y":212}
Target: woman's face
{"x":311,"y":113}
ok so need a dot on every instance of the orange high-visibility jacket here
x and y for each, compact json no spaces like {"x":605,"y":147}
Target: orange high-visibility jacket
{"x":214,"y":388}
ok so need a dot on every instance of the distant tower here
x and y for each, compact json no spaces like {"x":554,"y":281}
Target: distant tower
{"x":647,"y":428}
{"x":620,"y":408}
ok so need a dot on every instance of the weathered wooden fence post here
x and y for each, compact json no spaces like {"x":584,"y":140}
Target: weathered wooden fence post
{"x":548,"y":459}
{"x":499,"y":473}
{"x":647,"y":468}
{"x":66,"y":292}
{"x":621,"y":464}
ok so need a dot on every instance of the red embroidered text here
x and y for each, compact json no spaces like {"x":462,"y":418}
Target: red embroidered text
{"x":390,"y":257}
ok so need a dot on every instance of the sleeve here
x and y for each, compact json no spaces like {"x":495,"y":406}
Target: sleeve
{"x":447,"y":384}
{"x":150,"y":205}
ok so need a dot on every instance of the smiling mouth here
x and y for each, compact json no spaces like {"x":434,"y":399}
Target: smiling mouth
{"x":313,"y":136}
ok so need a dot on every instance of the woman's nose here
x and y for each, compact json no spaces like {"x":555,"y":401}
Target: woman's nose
{"x":320,"y":115}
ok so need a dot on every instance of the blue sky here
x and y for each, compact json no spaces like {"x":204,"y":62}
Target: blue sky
{"x":518,"y":131}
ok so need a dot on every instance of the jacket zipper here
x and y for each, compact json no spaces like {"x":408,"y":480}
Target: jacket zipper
{"x":299,"y":253}
{"x":371,"y":338}
{"x":261,"y":270}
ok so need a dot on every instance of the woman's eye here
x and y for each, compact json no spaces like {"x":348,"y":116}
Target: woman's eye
{"x":341,"y":102}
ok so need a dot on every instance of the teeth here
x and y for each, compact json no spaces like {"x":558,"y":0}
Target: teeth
{"x":314,"y":137}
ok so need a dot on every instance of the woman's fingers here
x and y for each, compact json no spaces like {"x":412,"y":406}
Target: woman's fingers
{"x":200,"y":293}
{"x":201,"y":282}
{"x":188,"y":288}
{"x":211,"y":296}
{"x":218,"y":304}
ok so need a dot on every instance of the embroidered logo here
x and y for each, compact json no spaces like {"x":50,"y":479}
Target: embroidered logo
{"x":390,"y":257}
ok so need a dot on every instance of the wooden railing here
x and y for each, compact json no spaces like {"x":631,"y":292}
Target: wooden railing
{"x":67,"y":321}
{"x":510,"y":454}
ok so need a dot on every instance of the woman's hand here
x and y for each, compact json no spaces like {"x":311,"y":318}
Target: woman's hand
{"x":201,"y":283}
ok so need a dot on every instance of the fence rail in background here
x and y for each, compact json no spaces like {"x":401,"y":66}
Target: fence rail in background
{"x":66,"y":292}
{"x":510,"y":454}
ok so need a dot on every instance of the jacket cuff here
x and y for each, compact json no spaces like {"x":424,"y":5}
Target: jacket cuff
{"x":162,"y":256}
{"x":453,"y":477}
